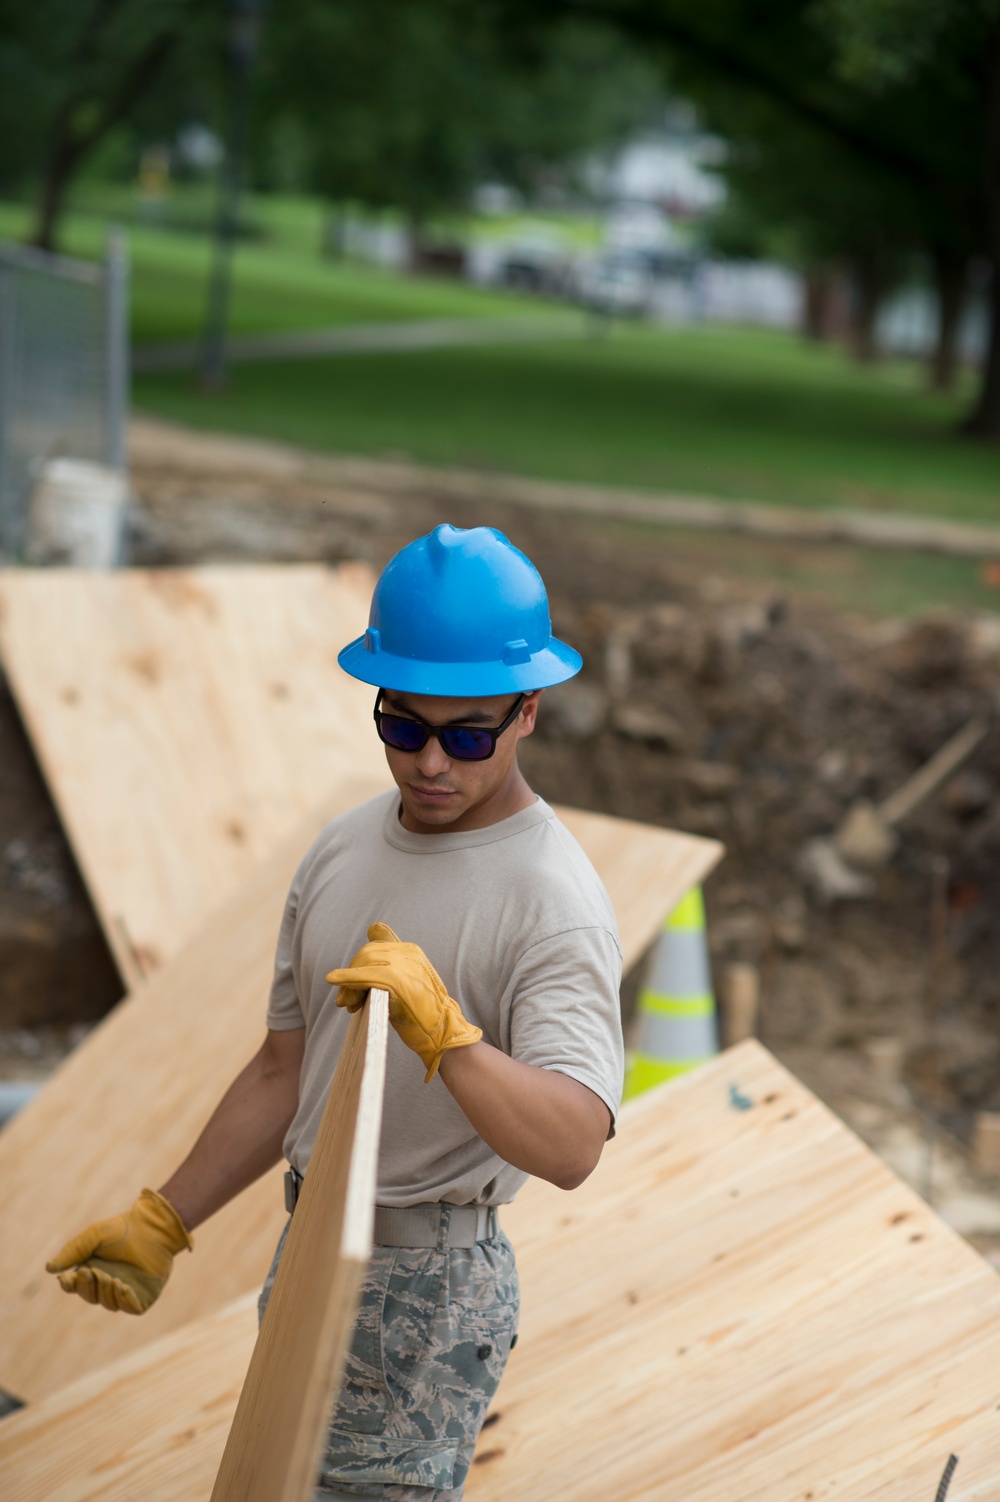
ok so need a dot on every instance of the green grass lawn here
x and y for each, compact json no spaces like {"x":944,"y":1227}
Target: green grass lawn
{"x":280,"y":279}
{"x":731,"y":413}
{"x":740,"y":414}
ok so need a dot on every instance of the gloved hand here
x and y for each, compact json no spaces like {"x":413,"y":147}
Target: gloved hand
{"x":420,"y":1009}
{"x":124,"y":1262}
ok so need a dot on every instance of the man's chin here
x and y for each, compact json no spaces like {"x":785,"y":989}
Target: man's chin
{"x":427,"y":811}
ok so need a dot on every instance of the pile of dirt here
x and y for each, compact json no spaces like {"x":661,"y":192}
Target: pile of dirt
{"x":56,"y":971}
{"x":718,"y":706}
{"x":761,"y":722}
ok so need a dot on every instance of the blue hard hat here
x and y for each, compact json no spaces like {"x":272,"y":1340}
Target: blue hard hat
{"x":460,"y":613}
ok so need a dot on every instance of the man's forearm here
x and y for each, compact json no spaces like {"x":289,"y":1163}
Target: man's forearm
{"x":241,"y":1140}
{"x":538,"y":1120}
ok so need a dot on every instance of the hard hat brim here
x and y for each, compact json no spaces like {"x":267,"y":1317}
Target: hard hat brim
{"x":461,"y":680}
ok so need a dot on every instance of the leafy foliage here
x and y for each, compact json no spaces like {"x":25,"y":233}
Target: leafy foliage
{"x":897,"y":100}
{"x":410,"y":105}
{"x":880,"y":44}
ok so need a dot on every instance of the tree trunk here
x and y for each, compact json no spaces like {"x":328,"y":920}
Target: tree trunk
{"x":826,"y":307}
{"x":984,"y":420}
{"x":70,"y":148}
{"x":949,"y":277}
{"x":415,"y":239}
{"x":816,"y":304}
{"x":868,"y":289}
{"x":63,"y":163}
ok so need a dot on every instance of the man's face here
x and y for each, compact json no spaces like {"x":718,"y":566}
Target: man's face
{"x":440,"y":792}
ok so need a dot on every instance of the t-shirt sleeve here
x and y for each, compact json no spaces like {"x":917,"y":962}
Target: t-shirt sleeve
{"x":565,"y":1012}
{"x":284,"y":1011}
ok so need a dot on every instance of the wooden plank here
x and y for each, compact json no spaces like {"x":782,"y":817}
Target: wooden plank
{"x":646,"y":870}
{"x":756,"y":1302}
{"x":126,"y":1107}
{"x":186,"y":721}
{"x":274,"y":1447}
{"x":62,"y":1447}
{"x":758,"y":1308}
{"x":121,"y":1112}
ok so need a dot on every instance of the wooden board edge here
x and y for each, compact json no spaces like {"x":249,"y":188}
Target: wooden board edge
{"x":275,"y":1418}
{"x":705,"y":852}
{"x":354,"y":576}
{"x":359,"y":1214}
{"x":112,"y":925}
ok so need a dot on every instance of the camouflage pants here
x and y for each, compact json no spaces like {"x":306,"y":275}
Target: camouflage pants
{"x":433,"y":1333}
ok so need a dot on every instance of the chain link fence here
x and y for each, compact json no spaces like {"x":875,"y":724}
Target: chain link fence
{"x":64,"y":370}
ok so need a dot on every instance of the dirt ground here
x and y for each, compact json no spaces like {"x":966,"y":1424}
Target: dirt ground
{"x":708,"y":702}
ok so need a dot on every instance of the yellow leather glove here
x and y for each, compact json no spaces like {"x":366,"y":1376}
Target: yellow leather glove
{"x":124,"y":1262}
{"x":420,"y":1009}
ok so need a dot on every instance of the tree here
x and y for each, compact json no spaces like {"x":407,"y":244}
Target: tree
{"x":900,"y":52}
{"x":410,"y":105}
{"x":911,"y":87}
{"x":802,"y":195}
{"x":71,"y":73}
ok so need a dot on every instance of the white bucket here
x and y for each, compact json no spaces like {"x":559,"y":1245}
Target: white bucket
{"x":77,"y":515}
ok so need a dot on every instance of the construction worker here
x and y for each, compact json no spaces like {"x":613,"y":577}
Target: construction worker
{"x":503,"y":983}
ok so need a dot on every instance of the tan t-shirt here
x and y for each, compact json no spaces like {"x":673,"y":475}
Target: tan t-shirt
{"x":515,"y":920}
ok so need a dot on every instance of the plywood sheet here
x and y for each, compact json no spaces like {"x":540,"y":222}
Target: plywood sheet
{"x":757,"y":1308}
{"x":121,"y":1112}
{"x":175,"y":1396}
{"x":126,"y":1107}
{"x":646,"y":870}
{"x":186,"y":721}
{"x":274,"y":1447}
{"x":742,"y":1301}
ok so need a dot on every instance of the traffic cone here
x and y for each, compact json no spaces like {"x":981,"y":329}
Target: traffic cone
{"x":676,"y":1008}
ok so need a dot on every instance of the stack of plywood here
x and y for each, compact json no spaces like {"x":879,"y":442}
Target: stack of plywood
{"x":128,"y":1104}
{"x":742,"y":1301}
{"x":189,"y":720}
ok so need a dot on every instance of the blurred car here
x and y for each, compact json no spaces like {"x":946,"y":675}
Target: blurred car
{"x":620,"y":283}
{"x":535,"y":261}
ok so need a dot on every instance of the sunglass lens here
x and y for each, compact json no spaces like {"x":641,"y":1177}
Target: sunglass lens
{"x":402,"y":735}
{"x":465,"y":743}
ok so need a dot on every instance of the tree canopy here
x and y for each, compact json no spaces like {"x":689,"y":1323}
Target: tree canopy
{"x":71,"y":73}
{"x":875,"y":122}
{"x":411,"y":106}
{"x":905,"y":94}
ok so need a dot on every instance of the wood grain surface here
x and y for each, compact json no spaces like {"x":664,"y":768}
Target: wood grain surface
{"x":274,"y":1447}
{"x":186,"y":721}
{"x":102,"y":1439}
{"x":124,"y":1109}
{"x":741,"y":1302}
{"x":121,"y":1112}
{"x":646,"y":870}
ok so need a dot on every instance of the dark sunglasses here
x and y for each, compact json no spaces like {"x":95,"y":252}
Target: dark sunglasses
{"x":460,"y":742}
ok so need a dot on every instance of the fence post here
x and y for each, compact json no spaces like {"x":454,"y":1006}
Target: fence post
{"x":117,"y":346}
{"x":8,"y":369}
{"x":64,"y":372}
